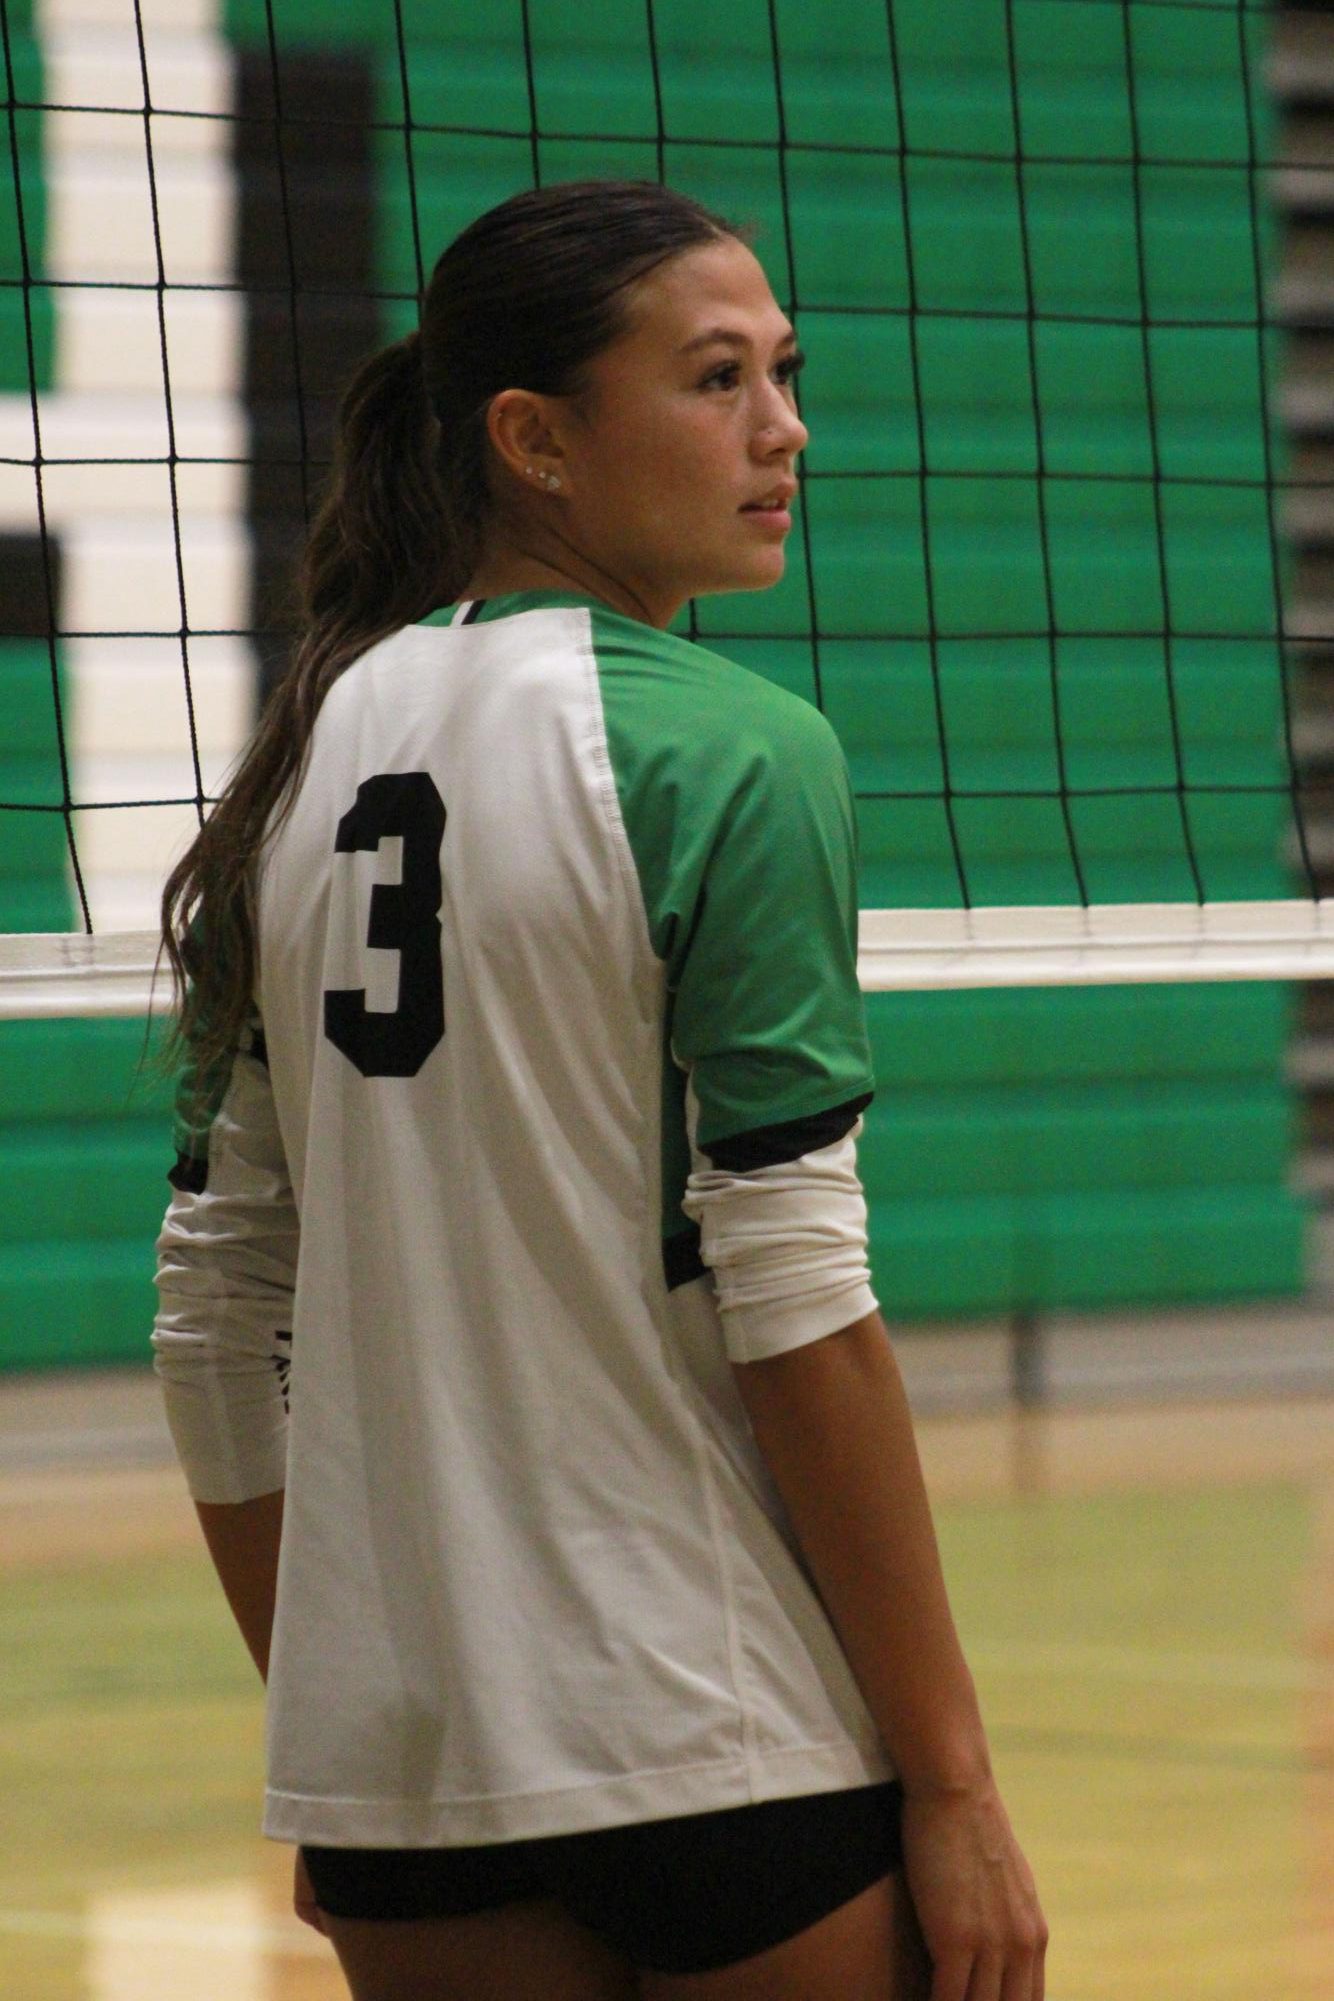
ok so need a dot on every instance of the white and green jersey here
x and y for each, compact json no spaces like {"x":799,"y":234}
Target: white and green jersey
{"x":547,"y":1114}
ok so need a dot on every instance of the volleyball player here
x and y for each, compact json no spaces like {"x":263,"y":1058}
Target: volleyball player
{"x":608,"y":1651}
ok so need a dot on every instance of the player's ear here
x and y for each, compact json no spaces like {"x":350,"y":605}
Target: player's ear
{"x":518,"y":422}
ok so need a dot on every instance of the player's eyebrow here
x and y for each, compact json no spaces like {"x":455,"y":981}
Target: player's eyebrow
{"x":732,"y":339}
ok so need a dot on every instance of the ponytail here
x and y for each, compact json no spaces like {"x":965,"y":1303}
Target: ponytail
{"x":382,"y":552}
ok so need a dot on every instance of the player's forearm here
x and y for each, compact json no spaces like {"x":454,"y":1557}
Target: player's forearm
{"x":833,"y":1423}
{"x":243,"y":1539}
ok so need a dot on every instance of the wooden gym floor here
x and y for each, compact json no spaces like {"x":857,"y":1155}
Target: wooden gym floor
{"x":1146,"y":1594}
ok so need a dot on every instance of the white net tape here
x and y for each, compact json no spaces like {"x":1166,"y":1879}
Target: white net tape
{"x":48,"y":973}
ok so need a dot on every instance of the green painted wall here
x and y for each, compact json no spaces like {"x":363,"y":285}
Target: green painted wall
{"x":84,"y":1149}
{"x":34,"y":895}
{"x":22,"y":213}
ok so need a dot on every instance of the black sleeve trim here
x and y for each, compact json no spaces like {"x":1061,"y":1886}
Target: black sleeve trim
{"x":190,"y":1176}
{"x":769,"y":1146}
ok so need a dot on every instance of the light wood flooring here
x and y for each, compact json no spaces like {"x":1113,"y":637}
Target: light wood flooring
{"x":1146,"y":1594}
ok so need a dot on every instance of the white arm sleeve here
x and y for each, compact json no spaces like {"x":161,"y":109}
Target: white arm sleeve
{"x":226,"y":1275}
{"x":787,"y":1244}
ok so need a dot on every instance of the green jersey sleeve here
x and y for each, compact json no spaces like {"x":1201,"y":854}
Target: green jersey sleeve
{"x":768,"y":1016}
{"x":738,"y":807}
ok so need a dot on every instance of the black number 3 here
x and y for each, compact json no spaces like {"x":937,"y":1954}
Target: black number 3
{"x":405,"y":916}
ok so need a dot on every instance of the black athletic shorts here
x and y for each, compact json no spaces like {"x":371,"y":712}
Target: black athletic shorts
{"x":684,"y":1895}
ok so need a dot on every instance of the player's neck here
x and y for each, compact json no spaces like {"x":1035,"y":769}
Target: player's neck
{"x":500,"y":577}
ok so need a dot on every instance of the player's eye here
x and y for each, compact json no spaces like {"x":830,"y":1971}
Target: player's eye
{"x":786,"y":370}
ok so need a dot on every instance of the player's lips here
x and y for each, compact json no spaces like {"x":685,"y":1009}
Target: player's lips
{"x":776,"y":496}
{"x":772,"y":507}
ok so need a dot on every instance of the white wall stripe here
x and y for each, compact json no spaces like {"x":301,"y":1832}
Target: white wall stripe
{"x":109,"y":341}
{"x":127,"y":723}
{"x":94,"y":68}
{"x":121,"y":573}
{"x":132,"y":696}
{"x":198,"y":17}
{"x":100,"y":214}
{"x":117,"y":425}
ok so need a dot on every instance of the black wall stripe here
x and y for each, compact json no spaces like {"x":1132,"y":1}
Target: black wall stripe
{"x":33,"y":844}
{"x":305,"y":236}
{"x":23,"y":612}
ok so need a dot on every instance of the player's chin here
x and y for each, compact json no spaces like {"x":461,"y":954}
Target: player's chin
{"x":756,"y":569}
{"x":763,"y":573}
{"x":759,"y":567}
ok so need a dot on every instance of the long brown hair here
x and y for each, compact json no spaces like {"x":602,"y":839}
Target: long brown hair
{"x":525,"y":297}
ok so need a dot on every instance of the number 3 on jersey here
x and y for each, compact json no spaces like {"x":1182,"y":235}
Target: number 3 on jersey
{"x":404,"y":916}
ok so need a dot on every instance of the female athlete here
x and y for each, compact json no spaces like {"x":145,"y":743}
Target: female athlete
{"x":515,"y":1322}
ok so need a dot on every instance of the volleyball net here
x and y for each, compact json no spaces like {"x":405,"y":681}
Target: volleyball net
{"x":1045,"y":577}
